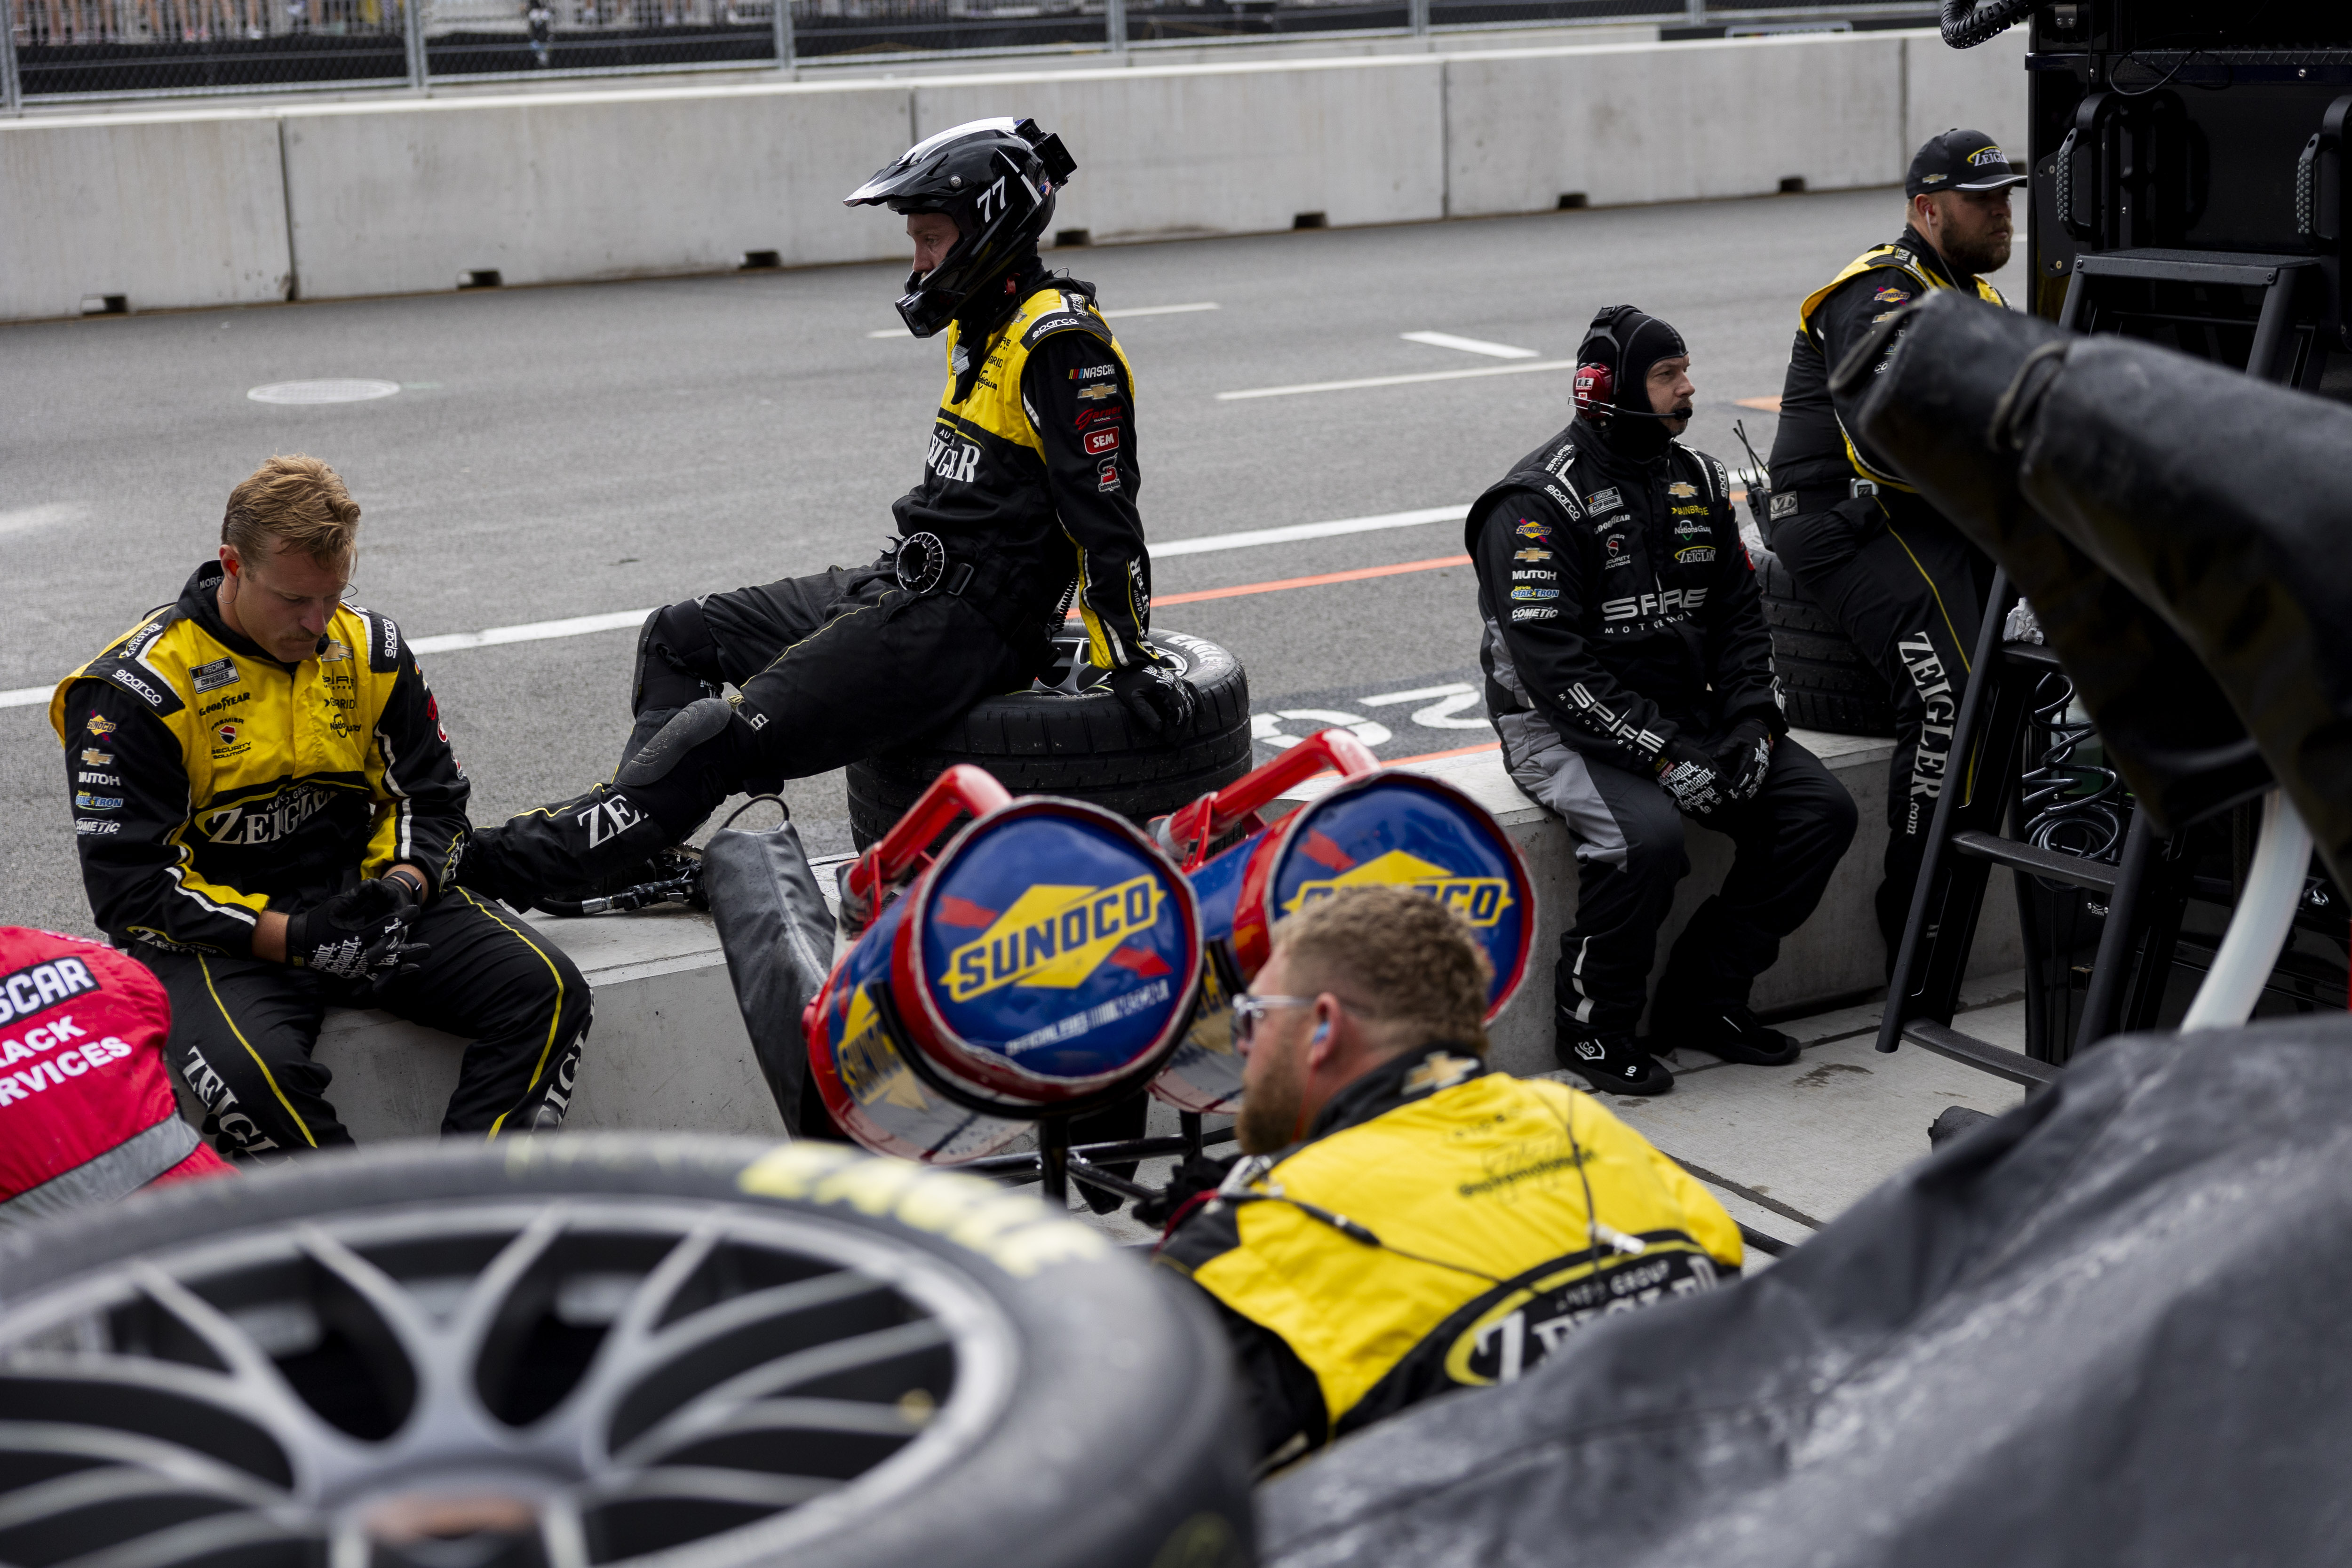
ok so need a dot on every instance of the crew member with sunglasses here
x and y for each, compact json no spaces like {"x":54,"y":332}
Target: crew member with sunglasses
{"x":1403,"y":1221}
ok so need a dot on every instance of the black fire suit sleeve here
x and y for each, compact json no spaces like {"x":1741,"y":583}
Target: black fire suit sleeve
{"x":1738,"y":643}
{"x":1571,"y":688}
{"x":1844,"y":321}
{"x":129,"y":784}
{"x":1091,"y":468}
{"x":419,"y":786}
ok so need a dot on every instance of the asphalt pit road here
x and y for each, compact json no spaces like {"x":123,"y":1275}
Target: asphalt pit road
{"x":322,"y":391}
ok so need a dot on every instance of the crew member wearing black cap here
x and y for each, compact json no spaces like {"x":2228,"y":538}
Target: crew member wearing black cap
{"x":1876,"y":557}
{"x":1630,"y":675}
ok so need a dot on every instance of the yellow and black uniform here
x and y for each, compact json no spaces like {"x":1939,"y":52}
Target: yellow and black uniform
{"x":1028,"y":493}
{"x":1895,"y":575}
{"x":1431,"y":1234}
{"x":212,"y":782}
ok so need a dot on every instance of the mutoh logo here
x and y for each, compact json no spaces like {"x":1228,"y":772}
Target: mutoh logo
{"x":1055,"y":936}
{"x":1481,"y":900}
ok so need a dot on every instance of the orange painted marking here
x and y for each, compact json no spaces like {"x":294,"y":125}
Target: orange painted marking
{"x":1361,"y":574}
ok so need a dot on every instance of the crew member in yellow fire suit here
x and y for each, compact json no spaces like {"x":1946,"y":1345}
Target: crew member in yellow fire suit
{"x":268,"y":813}
{"x":1405,"y":1221}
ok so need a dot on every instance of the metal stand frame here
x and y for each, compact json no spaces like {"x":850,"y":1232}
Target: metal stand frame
{"x":1057,"y":1160}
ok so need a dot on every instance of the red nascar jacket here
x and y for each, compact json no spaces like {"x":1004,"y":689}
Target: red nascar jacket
{"x":86,"y":1109}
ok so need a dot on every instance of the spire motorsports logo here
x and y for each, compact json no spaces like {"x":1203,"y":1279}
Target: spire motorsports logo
{"x":1055,"y":936}
{"x":1481,"y":900}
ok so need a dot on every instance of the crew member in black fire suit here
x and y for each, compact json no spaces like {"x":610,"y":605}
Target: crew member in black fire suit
{"x":1028,"y":496}
{"x":1630,"y":675}
{"x":1879,"y":560}
{"x":267,"y":812}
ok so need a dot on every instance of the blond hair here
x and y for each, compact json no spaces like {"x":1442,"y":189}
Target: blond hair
{"x":1405,"y":961}
{"x":298,"y":502}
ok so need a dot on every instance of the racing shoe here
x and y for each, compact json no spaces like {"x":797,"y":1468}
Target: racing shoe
{"x":1730,"y":1032}
{"x":1613,"y":1062}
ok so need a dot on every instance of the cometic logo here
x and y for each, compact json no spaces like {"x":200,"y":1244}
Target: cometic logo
{"x":1481,"y":900}
{"x":1055,"y":936}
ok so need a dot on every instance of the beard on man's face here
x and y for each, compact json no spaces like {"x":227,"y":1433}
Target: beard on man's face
{"x":1270,"y":1108}
{"x":1987,"y":250}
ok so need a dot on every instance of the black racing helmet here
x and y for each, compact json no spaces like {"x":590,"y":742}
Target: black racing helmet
{"x":996,"y":178}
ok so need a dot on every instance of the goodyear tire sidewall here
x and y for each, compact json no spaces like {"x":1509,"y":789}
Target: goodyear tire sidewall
{"x":1121,"y":1440}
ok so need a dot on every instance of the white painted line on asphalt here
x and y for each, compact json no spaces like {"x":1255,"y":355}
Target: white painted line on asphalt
{"x":534,"y":631}
{"x":1116,"y":315}
{"x":1160,"y":309}
{"x":1419,"y":694}
{"x":1393,"y":380}
{"x":1299,"y":530}
{"x":618,"y":620}
{"x":1467,"y":345}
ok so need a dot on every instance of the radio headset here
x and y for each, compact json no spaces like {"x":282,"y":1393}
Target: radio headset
{"x":1596,"y":384}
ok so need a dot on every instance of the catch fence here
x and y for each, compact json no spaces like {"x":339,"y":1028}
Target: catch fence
{"x":64,"y":51}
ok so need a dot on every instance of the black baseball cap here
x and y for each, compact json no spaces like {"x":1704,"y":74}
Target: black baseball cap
{"x":1960,"y":161}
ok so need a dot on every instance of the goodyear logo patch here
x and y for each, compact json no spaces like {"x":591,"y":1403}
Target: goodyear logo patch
{"x":1479,"y":900}
{"x":1053,"y":936}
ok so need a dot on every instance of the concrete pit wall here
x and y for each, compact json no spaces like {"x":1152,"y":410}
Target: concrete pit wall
{"x":205,"y":207}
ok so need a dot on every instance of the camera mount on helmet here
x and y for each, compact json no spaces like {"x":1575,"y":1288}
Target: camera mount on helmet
{"x":996,"y":180}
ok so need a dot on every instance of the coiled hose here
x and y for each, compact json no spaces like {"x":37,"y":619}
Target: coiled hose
{"x":2071,"y":808}
{"x":1967,"y":23}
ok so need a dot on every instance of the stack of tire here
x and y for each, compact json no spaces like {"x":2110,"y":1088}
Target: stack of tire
{"x":1068,"y":736}
{"x":1824,"y":681}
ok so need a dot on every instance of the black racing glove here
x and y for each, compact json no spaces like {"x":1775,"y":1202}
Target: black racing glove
{"x":1743,"y":757}
{"x":360,"y":936}
{"x":1201,"y":1174}
{"x":1689,"y":776}
{"x":1160,"y":700}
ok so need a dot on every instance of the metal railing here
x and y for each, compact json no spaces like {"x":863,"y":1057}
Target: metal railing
{"x":66,"y":51}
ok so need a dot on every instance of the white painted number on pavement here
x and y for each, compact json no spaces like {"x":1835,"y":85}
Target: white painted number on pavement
{"x":1267,"y":727}
{"x":1458,"y":707}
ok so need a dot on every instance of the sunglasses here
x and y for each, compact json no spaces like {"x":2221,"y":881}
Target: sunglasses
{"x":1248,"y":1008}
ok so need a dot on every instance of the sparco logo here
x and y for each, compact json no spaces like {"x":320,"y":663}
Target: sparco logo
{"x":130,"y":682}
{"x":263,"y":821}
{"x":954,"y":461}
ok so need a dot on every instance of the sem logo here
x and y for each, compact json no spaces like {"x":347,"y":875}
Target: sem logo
{"x":1097,"y":442}
{"x":1053,"y":936}
{"x":1481,"y":900}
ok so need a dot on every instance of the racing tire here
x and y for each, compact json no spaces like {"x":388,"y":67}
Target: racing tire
{"x":595,"y":1349}
{"x":1081,"y":745}
{"x":1826,"y":683}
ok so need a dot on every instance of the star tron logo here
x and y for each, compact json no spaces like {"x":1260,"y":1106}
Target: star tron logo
{"x":1053,"y":936}
{"x":1481,"y":900}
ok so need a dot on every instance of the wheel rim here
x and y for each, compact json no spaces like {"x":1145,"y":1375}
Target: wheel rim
{"x":494,"y":1384}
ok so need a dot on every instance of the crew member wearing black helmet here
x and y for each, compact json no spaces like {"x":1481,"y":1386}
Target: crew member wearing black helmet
{"x":1629,"y":673}
{"x":1903,"y":583}
{"x":1027,"y":498}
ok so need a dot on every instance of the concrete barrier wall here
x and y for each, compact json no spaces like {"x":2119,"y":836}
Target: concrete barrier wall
{"x":163,"y":211}
{"x":402,"y":198}
{"x":397,"y":195}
